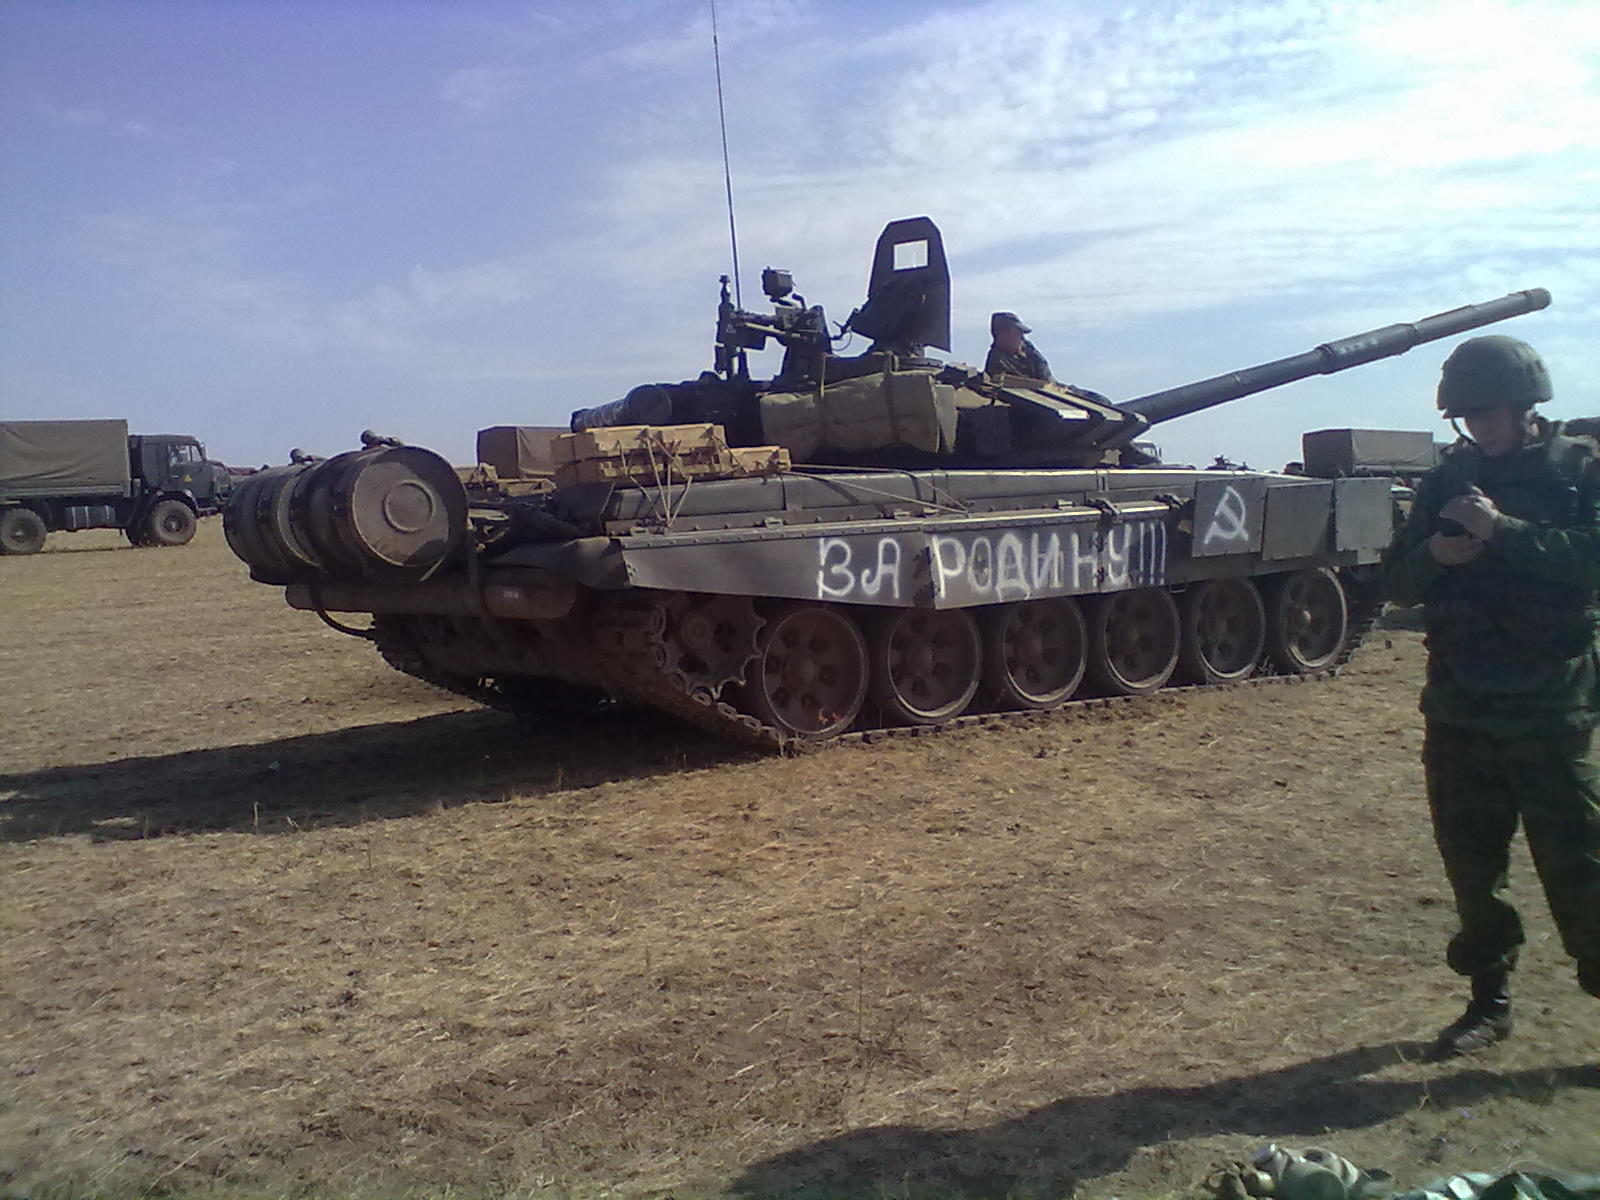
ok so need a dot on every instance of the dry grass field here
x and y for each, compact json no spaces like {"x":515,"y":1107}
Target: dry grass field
{"x":277,"y":922}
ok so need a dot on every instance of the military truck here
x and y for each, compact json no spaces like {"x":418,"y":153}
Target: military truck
{"x":1405,"y":455}
{"x":70,"y":475}
{"x":877,"y":540}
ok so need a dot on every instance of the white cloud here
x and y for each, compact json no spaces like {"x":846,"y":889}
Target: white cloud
{"x":1092,"y":168}
{"x":1320,"y":167}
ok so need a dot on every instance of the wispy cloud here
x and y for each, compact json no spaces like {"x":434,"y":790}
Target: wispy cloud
{"x":78,"y":117}
{"x":195,"y":260}
{"x":686,"y":40}
{"x":479,"y":92}
{"x":486,"y":90}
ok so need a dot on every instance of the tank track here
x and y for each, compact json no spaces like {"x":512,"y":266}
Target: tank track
{"x":632,"y":637}
{"x":1366,"y":606}
{"x":630,"y":641}
{"x":400,"y":649}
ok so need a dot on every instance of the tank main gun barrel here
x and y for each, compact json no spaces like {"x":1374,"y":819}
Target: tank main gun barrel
{"x":1329,"y":357}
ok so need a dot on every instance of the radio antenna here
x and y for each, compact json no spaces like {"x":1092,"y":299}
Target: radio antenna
{"x":727,"y":173}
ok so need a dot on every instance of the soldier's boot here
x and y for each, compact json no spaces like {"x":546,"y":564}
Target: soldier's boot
{"x":1486,"y":1021}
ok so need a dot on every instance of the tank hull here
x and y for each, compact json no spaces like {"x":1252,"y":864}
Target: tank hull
{"x":798,"y":607}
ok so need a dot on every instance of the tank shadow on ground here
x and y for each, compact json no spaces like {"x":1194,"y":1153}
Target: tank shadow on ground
{"x":347,"y":777}
{"x":1048,"y":1152}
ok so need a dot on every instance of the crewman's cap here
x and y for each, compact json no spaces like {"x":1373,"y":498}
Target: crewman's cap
{"x":1006,"y":320}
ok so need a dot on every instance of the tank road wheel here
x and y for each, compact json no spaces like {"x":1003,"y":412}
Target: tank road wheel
{"x":926,"y":664}
{"x":1034,"y":652}
{"x":1133,"y":640}
{"x":1307,"y":621}
{"x":1224,"y":631}
{"x":170,"y":523}
{"x":22,"y":531}
{"x":810,"y":674}
{"x":708,"y":640}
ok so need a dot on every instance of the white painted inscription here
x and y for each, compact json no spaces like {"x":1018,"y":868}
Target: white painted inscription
{"x":838,"y":578}
{"x":992,"y":568}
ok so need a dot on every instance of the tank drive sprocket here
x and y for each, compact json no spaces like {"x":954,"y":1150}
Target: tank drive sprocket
{"x":677,"y":651}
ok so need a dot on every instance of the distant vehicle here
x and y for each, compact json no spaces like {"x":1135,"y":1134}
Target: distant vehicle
{"x":1405,"y":455}
{"x":69,"y":475}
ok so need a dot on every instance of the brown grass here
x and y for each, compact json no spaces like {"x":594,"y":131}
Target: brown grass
{"x":278,"y":922}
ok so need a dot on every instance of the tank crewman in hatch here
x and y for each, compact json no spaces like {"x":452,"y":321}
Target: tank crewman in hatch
{"x":1502,"y":548}
{"x":1010,"y":352}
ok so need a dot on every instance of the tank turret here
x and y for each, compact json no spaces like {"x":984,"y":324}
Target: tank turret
{"x":954,"y":416}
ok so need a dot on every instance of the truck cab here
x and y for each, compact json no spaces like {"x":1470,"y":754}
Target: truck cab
{"x":176,"y":464}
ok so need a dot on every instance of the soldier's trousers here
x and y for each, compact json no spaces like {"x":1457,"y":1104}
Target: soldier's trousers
{"x":1479,"y":787}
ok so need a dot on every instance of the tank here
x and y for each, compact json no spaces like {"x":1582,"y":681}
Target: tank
{"x":866,"y":541}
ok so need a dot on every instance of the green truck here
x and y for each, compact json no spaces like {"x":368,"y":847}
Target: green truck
{"x":69,"y":475}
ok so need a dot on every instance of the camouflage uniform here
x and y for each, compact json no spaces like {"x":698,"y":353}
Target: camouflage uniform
{"x":1513,"y":691}
{"x":1029,"y":362}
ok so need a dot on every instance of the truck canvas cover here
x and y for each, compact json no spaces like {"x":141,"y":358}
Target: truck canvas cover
{"x":63,"y":458}
{"x":1331,"y":453}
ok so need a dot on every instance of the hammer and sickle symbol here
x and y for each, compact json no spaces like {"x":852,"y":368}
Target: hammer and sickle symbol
{"x":1228,"y":519}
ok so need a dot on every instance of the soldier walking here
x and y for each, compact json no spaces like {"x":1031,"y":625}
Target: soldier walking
{"x":1502,"y":548}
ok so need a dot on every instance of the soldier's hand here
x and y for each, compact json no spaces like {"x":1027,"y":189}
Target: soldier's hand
{"x":1453,"y":551}
{"x":1475,"y":512}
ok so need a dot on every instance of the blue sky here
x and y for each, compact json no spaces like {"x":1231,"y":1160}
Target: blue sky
{"x":277,"y":223}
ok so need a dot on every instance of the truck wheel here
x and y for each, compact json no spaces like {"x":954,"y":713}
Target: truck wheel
{"x":21,"y":531}
{"x":170,"y":523}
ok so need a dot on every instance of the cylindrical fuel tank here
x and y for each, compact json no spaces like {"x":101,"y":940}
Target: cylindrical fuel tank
{"x":647,"y":404}
{"x":389,"y":512}
{"x":260,"y":528}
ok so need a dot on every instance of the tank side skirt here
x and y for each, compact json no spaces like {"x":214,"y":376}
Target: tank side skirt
{"x":952,"y":567}
{"x":929,"y":564}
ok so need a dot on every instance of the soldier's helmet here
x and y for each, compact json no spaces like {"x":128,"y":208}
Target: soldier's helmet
{"x":1491,"y":372}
